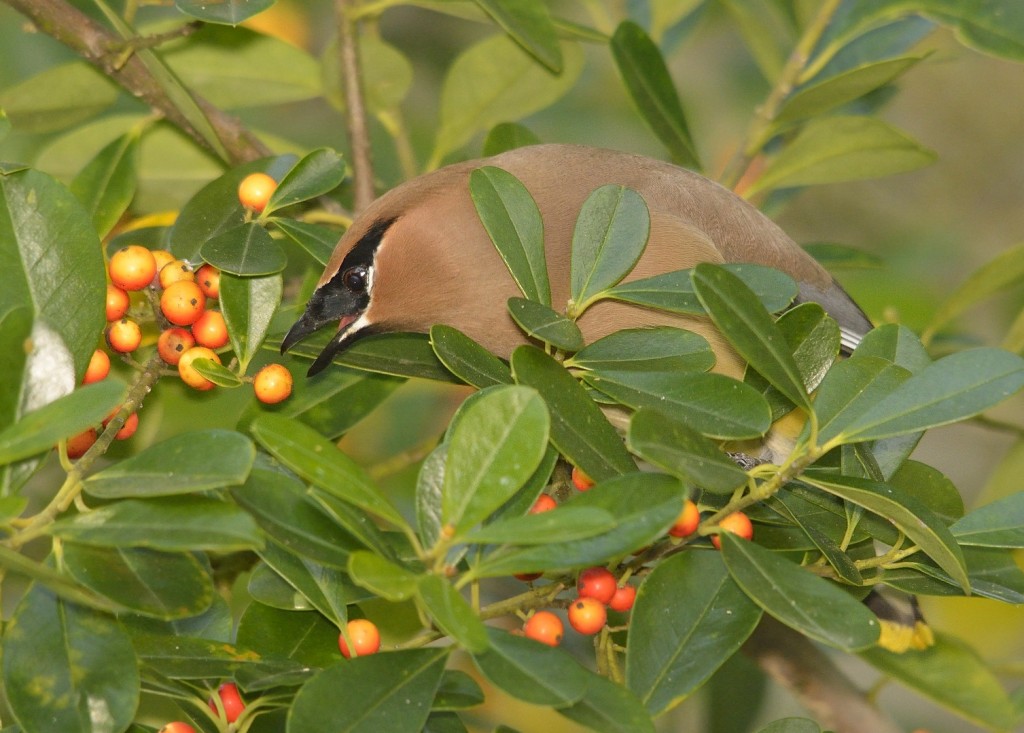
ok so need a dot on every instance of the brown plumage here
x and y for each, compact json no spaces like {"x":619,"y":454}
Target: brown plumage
{"x":428,"y":259}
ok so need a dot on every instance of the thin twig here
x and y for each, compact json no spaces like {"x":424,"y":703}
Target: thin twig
{"x":355,"y":105}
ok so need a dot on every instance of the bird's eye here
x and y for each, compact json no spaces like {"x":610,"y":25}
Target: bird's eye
{"x":354,"y":279}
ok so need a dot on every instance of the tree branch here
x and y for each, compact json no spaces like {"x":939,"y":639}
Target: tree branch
{"x":102,"y":48}
{"x":355,"y":106}
{"x":795,"y":663}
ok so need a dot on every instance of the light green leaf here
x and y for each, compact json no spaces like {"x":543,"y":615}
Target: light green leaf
{"x":229,"y":12}
{"x":452,"y":613}
{"x":315,"y":174}
{"x":999,"y":524}
{"x":106,"y":185}
{"x":244,"y":250}
{"x":381,"y":576}
{"x":507,"y":136}
{"x":318,"y":241}
{"x":58,"y":97}
{"x":529,"y":24}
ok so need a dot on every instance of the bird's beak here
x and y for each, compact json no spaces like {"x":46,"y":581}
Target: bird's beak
{"x":321,"y":311}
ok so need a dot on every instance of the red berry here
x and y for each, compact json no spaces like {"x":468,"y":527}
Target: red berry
{"x":255,"y":190}
{"x":587,"y":615}
{"x":177,"y":727}
{"x":230,"y":700}
{"x":118,"y":303}
{"x":623,"y":599}
{"x":132,"y":267}
{"x":210,"y":330}
{"x":738,"y":523}
{"x":174,"y":342}
{"x":208,"y":278}
{"x":182,"y":303}
{"x":545,"y":627}
{"x":597,"y":583}
{"x":124,"y":336}
{"x":364,"y":635}
{"x":544,"y":503}
{"x":581,"y":480}
{"x":272,"y":384}
{"x":99,"y":367}
{"x":79,"y":444}
{"x":687,"y":522}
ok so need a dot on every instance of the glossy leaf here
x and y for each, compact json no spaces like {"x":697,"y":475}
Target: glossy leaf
{"x":186,"y":463}
{"x":319,"y":461}
{"x":568,"y":523}
{"x":429,"y":487}
{"x":378,"y":692}
{"x":180,"y":523}
{"x":244,"y":250}
{"x":381,"y":576}
{"x":317,"y":240}
{"x":68,"y":668}
{"x":466,"y":359}
{"x":529,"y":24}
{"x":671,"y":655}
{"x":851,"y":388}
{"x":248,"y":304}
{"x":452,"y":613}
{"x":657,"y":349}
{"x":513,"y":222}
{"x":544,"y":324}
{"x":495,"y":446}
{"x":151,"y":583}
{"x":650,"y":86}
{"x":999,"y":524}
{"x":833,"y":149}
{"x":737,"y":313}
{"x":40,"y":429}
{"x":578,"y":428}
{"x":992,"y":571}
{"x":106,"y":185}
{"x":315,"y":174}
{"x":180,"y":657}
{"x":609,"y":707}
{"x":683,"y":452}
{"x":324,"y":588}
{"x":796,"y":597}
{"x":531,"y":671}
{"x":607,"y":241}
{"x":304,"y":637}
{"x":230,"y":12}
{"x":507,"y":136}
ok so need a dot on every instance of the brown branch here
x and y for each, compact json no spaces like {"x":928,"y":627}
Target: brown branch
{"x":798,"y":665}
{"x":103,"y":49}
{"x":355,"y":106}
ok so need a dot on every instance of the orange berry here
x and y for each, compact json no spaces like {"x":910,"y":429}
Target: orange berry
{"x":79,"y":444}
{"x":364,"y":636}
{"x":99,"y":367}
{"x":738,"y":523}
{"x":587,"y":615}
{"x":230,"y":700}
{"x":174,"y":342}
{"x":182,"y":303}
{"x":687,"y":522}
{"x":255,"y":190}
{"x":118,"y":303}
{"x":581,"y":480}
{"x":544,"y":503}
{"x":132,"y":267}
{"x":177,"y":727}
{"x":188,"y":373}
{"x":208,"y":278}
{"x":162,"y":257}
{"x":124,"y":336}
{"x":545,"y":627}
{"x":175,"y":271}
{"x":597,"y":583}
{"x":131,"y":424}
{"x":210,"y":330}
{"x":623,"y":599}
{"x":272,"y":384}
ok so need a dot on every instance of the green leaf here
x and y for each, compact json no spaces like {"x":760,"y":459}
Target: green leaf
{"x":217,"y":373}
{"x":248,"y":305}
{"x":106,"y":185}
{"x":466,"y":359}
{"x":429,"y":487}
{"x":317,"y":173}
{"x":566,"y":524}
{"x":529,"y":24}
{"x":180,"y":657}
{"x":609,"y":707}
{"x":396,"y":354}
{"x":318,"y":241}
{"x":378,"y":692}
{"x":671,"y":655}
{"x":381,"y":576}
{"x":767,"y":31}
{"x":999,"y":524}
{"x":953,"y":675}
{"x":835,"y":149}
{"x":494,"y":81}
{"x":324,"y":588}
{"x":530,"y":671}
{"x":544,"y":324}
{"x":57,"y":98}
{"x":452,"y":613}
{"x":835,"y":256}
{"x":181,"y":523}
{"x":674,"y":291}
{"x":649,"y":84}
{"x":791,"y":725}
{"x":387,"y":75}
{"x":740,"y":317}
{"x":992,"y":571}
{"x":68,"y":668}
{"x":851,"y":388}
{"x":578,"y":428}
{"x":319,"y":461}
{"x":40,"y":429}
{"x":190,"y":462}
{"x":912,"y":517}
{"x":507,"y":136}
{"x":158,"y":584}
{"x":495,"y":446}
{"x":304,"y":637}
{"x":673,"y":446}
{"x":244,"y":250}
{"x":803,"y":601}
{"x":458,"y":691}
{"x":955,"y":387}
{"x":513,"y":222}
{"x":228,"y":12}
{"x":896,"y":344}
{"x":607,"y":241}
{"x":657,"y":349}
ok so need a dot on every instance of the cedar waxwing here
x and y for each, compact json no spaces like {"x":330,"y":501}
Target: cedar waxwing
{"x":419,"y":256}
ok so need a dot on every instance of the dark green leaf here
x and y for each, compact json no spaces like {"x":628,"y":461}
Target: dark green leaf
{"x":531,"y":671}
{"x":248,"y":304}
{"x":829,"y":548}
{"x":228,"y":12}
{"x":324,"y":588}
{"x":396,"y":354}
{"x":568,"y":523}
{"x":106,"y":185}
{"x":378,"y":692}
{"x":992,"y":571}
{"x":197,"y":461}
{"x":317,"y":173}
{"x":305,"y":637}
{"x":244,"y":250}
{"x":466,"y":359}
{"x":440,"y":721}
{"x":544,"y":324}
{"x":507,"y":136}
{"x":999,"y":524}
{"x":217,"y":373}
{"x":318,"y":241}
{"x":851,"y":388}
{"x":649,"y":84}
{"x":452,"y":613}
{"x":457,"y":691}
{"x":671,"y":655}
{"x":529,"y":24}
{"x":796,"y":597}
{"x":381,"y":576}
{"x":657,"y":349}
{"x":68,"y":668}
{"x":609,"y":707}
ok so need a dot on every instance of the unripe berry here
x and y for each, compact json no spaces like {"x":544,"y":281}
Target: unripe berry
{"x":208,"y":278}
{"x":597,"y":583}
{"x":182,"y":303}
{"x":364,"y":636}
{"x":545,"y":627}
{"x":231,"y":701}
{"x":210,"y":330}
{"x":581,"y":480}
{"x":124,"y":336}
{"x":118,"y":303}
{"x":587,"y":615}
{"x":174,"y":342}
{"x":255,"y":190}
{"x":188,"y":373}
{"x":738,"y":523}
{"x":624,"y":598}
{"x":175,"y":271}
{"x":132,"y":267}
{"x":99,"y":367}
{"x":272,"y":384}
{"x":687,"y":522}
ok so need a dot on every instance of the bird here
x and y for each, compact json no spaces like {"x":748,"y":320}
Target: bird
{"x":419,"y":256}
